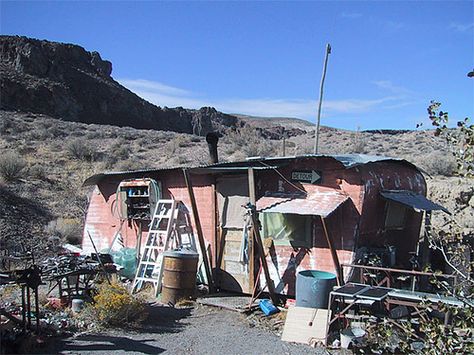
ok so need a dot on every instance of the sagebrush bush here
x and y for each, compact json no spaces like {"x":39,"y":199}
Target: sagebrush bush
{"x":5,"y":124}
{"x":120,"y":149}
{"x":82,"y":150}
{"x":37,"y":171}
{"x":115,"y":306}
{"x":250,"y":142}
{"x":438,"y":163}
{"x":11,"y":166}
{"x":66,"y":229}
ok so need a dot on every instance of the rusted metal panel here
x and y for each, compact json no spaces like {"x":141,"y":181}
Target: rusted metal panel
{"x":321,"y":202}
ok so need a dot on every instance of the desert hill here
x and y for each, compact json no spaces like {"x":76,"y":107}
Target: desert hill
{"x":65,"y":81}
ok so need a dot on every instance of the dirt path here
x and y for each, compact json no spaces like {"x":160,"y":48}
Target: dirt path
{"x":200,"y":330}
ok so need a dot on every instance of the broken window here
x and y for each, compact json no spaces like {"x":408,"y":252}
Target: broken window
{"x":287,"y":229}
{"x":395,"y":216}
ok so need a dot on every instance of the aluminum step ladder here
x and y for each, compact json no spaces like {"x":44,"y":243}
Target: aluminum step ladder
{"x":159,"y":239}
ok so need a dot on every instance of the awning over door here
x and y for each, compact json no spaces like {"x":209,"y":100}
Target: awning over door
{"x":319,"y":203}
{"x":413,"y":200}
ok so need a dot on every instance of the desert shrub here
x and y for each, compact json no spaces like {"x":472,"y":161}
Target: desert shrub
{"x":437,"y":163}
{"x":128,"y":165}
{"x":40,"y":133}
{"x":115,"y":306}
{"x":66,"y":229}
{"x":249,"y":141}
{"x":37,"y":171}
{"x":82,"y":150}
{"x":5,"y":124}
{"x":56,"y":131}
{"x":359,"y":143}
{"x":120,"y":149}
{"x":11,"y":166}
{"x":174,"y":144}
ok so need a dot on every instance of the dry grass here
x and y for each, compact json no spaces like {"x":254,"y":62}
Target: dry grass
{"x":55,"y":178}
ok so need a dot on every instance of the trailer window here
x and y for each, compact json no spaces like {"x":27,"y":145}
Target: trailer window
{"x":395,"y":216}
{"x":286,"y":229}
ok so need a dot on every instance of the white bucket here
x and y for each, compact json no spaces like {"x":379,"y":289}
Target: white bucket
{"x":349,"y":335}
{"x":77,"y":305}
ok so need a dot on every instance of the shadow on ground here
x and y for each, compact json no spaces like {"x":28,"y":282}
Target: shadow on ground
{"x":164,"y":319}
{"x":107,"y":344}
{"x":161,"y":319}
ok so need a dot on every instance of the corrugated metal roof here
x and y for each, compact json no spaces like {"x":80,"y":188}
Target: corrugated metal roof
{"x":347,"y":160}
{"x":413,"y":200}
{"x":318,"y":203}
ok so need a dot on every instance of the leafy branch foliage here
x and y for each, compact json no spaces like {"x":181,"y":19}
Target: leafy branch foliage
{"x":460,"y":139}
{"x":430,"y":331}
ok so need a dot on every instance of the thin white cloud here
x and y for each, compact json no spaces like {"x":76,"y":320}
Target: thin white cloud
{"x":143,"y":84}
{"x":462,"y":27}
{"x":351,"y":15}
{"x":389,"y":86}
{"x":164,"y":95}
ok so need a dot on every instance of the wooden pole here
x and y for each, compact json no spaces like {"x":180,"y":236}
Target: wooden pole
{"x":257,"y":241}
{"x":335,"y":258}
{"x":321,"y":88}
{"x":197,"y":221}
{"x":252,"y":281}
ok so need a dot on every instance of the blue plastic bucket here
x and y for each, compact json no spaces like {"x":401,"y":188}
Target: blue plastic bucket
{"x":313,"y":287}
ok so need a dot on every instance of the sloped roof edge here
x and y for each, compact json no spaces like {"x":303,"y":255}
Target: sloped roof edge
{"x":347,"y":160}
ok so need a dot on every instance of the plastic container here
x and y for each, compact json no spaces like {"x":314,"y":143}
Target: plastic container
{"x":77,"y":305}
{"x":313,"y":287}
{"x":350,"y":335}
{"x":267,"y":307}
{"x":129,"y":263}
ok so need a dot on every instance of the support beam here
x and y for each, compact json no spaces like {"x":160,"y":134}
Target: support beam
{"x":197,"y":221}
{"x":257,"y":241}
{"x":335,"y":258}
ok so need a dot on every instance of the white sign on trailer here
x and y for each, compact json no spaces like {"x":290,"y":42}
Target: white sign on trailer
{"x":313,"y":177}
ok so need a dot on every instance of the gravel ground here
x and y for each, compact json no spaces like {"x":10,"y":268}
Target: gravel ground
{"x":199,"y":330}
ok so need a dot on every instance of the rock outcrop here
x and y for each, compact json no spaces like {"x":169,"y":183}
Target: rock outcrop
{"x":67,"y":82}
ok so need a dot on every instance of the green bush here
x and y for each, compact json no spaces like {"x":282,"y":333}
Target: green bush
{"x":82,"y":150}
{"x":116,"y":307}
{"x":11,"y":166}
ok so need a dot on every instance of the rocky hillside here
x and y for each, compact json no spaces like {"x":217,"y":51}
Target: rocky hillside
{"x":65,"y":81}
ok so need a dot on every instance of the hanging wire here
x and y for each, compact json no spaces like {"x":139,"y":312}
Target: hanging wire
{"x":283,"y":177}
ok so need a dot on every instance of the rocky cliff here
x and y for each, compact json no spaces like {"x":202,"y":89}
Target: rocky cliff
{"x":65,"y":81}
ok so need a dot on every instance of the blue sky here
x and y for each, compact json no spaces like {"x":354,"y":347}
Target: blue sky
{"x":389,"y":58}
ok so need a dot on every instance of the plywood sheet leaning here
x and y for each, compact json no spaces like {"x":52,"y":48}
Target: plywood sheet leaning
{"x":306,"y":325}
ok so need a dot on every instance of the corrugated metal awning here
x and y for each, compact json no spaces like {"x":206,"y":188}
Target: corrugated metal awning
{"x":411,"y":199}
{"x":316,"y":203}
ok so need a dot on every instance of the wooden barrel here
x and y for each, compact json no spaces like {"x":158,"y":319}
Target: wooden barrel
{"x":179,"y":275}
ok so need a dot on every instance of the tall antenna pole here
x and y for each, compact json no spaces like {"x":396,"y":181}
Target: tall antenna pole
{"x":321,"y":87}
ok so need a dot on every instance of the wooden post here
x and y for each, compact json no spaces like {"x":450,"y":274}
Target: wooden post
{"x":257,"y":241}
{"x":335,"y":258}
{"x":215,"y":222}
{"x":252,"y":198}
{"x":321,"y":87}
{"x":197,"y":221}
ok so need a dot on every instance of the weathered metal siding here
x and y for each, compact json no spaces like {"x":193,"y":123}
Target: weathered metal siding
{"x":389,"y":176}
{"x":358,"y":221}
{"x":102,"y":223}
{"x":342,"y":224}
